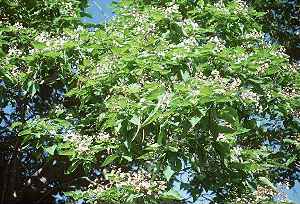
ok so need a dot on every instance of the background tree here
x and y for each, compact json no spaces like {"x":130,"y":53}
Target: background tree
{"x":31,"y":83}
{"x":284,"y":23}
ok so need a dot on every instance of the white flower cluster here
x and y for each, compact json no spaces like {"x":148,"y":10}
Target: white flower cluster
{"x":18,"y":26}
{"x":290,"y":92}
{"x":139,"y":180}
{"x":280,"y":52}
{"x":14,"y":51}
{"x":53,"y":43}
{"x":264,"y":192}
{"x":254,"y":35}
{"x":221,"y":137}
{"x":243,"y":57}
{"x":84,"y":142}
{"x":192,"y":23}
{"x":249,"y":95}
{"x":15,"y":71}
{"x":188,"y":26}
{"x":229,"y":84}
{"x":263,"y":68}
{"x":233,"y":84}
{"x":43,"y":37}
{"x":188,"y":42}
{"x":220,"y":44}
{"x":165,"y":100}
{"x":296,"y":114}
{"x":241,"y":6}
{"x":67,"y":9}
{"x":236,"y":154}
{"x":172,"y":9}
{"x":260,"y":195}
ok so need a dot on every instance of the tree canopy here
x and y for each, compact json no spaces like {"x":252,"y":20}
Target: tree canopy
{"x":118,"y":112}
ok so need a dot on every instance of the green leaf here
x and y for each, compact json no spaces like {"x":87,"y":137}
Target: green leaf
{"x":109,"y":160}
{"x":51,"y":149}
{"x":6,"y":76}
{"x":128,"y":158}
{"x":168,"y":173}
{"x":2,"y":53}
{"x":267,"y":182}
{"x":153,"y":147}
{"x":136,"y":120}
{"x":73,"y":167}
{"x":32,"y":88}
{"x":70,"y":45}
{"x":291,"y":160}
{"x":194,"y":121}
{"x":39,"y":45}
{"x":154,"y":113}
{"x":171,"y":195}
{"x":16,"y":124}
{"x":185,"y":75}
{"x":70,"y":153}
{"x":172,"y":148}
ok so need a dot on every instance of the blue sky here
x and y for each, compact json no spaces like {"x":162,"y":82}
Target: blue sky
{"x":294,"y":193}
{"x":100,"y":10}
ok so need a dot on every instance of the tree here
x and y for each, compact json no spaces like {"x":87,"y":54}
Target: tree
{"x":164,"y":89}
{"x":284,"y":26}
{"x":31,"y":79}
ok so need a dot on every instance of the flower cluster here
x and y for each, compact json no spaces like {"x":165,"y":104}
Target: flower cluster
{"x":67,"y":9}
{"x":249,"y":95}
{"x":84,"y":142}
{"x":263,"y":68}
{"x":14,"y":51}
{"x":263,"y":192}
{"x":18,"y":26}
{"x":220,"y":44}
{"x":172,"y":9}
{"x":53,"y":43}
{"x":290,"y":92}
{"x":140,"y":180}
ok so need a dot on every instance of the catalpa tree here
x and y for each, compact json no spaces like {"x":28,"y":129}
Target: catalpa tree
{"x":119,"y":112}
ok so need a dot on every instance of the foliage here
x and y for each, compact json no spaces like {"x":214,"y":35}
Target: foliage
{"x":285,"y":22}
{"x":166,"y":88}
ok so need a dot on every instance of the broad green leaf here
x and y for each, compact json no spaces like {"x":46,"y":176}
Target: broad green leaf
{"x":194,"y":121}
{"x":168,"y":173}
{"x":109,"y":160}
{"x":171,"y":195}
{"x":267,"y":182}
{"x":136,"y":120}
{"x":70,"y":152}
{"x":128,"y":158}
{"x":51,"y":149}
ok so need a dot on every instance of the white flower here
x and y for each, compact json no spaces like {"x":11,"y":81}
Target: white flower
{"x":103,"y":136}
{"x":220,"y":44}
{"x":13,"y":50}
{"x":18,"y":26}
{"x":249,"y":95}
{"x":172,"y":9}
{"x":221,"y":137}
{"x":42,"y":37}
{"x":79,"y":29}
{"x":188,"y":42}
